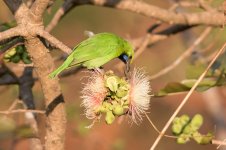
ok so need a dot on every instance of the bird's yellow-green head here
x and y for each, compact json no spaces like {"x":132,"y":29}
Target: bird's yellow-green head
{"x":128,"y":53}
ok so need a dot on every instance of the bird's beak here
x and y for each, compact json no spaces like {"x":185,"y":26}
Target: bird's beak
{"x":128,"y":65}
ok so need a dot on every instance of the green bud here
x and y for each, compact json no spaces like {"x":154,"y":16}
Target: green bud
{"x":126,"y":107}
{"x":176,"y":120}
{"x":7,"y":55}
{"x":188,"y":129}
{"x":101,"y":109}
{"x":11,"y":52}
{"x":118,"y":110}
{"x":106,"y":105}
{"x":109,"y":118}
{"x":20,"y":49}
{"x":197,"y":137}
{"x":124,"y":84}
{"x":183,"y":138}
{"x":197,"y":122}
{"x":25,"y":58}
{"x":15,"y":59}
{"x":202,"y":139}
{"x":112,"y":83}
{"x":176,"y":129}
{"x":6,"y":60}
{"x":126,"y":102}
{"x":121,"y":93}
{"x":184,"y":119}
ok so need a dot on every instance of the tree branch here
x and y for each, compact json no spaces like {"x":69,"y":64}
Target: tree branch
{"x":22,"y":111}
{"x":66,"y":7}
{"x":12,"y":32}
{"x":39,"y":6}
{"x":13,"y":43}
{"x":55,"y":42}
{"x":26,"y":82}
{"x":202,"y":18}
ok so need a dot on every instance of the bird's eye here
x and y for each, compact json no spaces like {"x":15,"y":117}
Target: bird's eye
{"x":125,"y":57}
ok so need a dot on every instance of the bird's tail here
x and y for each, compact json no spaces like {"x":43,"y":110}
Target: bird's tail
{"x":64,"y":66}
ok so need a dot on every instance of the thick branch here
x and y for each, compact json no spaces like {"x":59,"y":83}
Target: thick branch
{"x":202,"y":18}
{"x":10,"y":33}
{"x":26,"y":82}
{"x":7,"y":80}
{"x":56,"y":119}
{"x":39,"y":7}
{"x":13,"y":43}
{"x":7,"y":76}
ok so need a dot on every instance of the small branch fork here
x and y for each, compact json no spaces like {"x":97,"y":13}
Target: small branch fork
{"x":186,"y":98}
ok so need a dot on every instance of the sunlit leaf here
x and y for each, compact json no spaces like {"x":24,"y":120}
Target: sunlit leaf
{"x":172,"y":87}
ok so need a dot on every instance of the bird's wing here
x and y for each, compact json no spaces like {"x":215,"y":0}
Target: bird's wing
{"x":97,"y":62}
{"x":90,"y":50}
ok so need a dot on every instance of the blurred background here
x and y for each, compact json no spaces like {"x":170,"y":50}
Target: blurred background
{"x":120,"y":136}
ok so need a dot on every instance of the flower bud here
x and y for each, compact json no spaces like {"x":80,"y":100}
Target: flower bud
{"x":112,"y":83}
{"x":118,"y":110}
{"x":109,"y":118}
{"x":183,"y":138}
{"x":196,"y":122}
{"x":11,"y":52}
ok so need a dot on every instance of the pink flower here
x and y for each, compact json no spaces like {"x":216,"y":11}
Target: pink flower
{"x":93,"y":94}
{"x":106,"y":93}
{"x":139,"y":95}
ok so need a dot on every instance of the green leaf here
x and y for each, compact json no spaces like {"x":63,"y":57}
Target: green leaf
{"x":204,"y":85}
{"x":186,"y":85}
{"x":194,"y":71}
{"x":172,"y":87}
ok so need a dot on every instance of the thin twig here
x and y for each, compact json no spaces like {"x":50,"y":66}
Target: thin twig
{"x":186,"y":98}
{"x":156,"y":129}
{"x":183,"y":56}
{"x":22,"y":111}
{"x":219,"y":143}
{"x":12,"y":32}
{"x":13,"y":105}
{"x":66,"y":6}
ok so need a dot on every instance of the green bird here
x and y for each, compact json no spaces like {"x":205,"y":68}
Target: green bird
{"x":96,"y":51}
